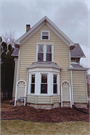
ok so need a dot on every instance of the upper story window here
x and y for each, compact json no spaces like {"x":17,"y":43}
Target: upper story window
{"x":40,"y":52}
{"x":44,"y":52}
{"x":45,"y":35}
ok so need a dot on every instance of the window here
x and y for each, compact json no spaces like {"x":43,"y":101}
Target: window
{"x":45,"y":35}
{"x":43,"y":83}
{"x":33,"y":83}
{"x":44,"y":52}
{"x":40,"y":52}
{"x":55,"y":84}
{"x":49,"y":53}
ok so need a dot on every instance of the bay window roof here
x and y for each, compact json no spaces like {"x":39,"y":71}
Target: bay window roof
{"x":44,"y":64}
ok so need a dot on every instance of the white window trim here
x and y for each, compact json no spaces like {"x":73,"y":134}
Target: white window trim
{"x":44,"y":59}
{"x":47,"y":83}
{"x":29,"y":88}
{"x":58,"y":89}
{"x":48,"y":34}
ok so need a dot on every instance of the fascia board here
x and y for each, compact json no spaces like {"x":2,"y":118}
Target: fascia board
{"x":53,"y":26}
{"x":33,"y":28}
{"x":60,"y":32}
{"x":78,"y":56}
{"x":39,"y":66}
{"x":31,"y":33}
{"x":80,"y":69}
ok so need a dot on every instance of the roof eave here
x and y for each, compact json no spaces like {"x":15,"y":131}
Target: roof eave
{"x":78,"y":56}
{"x":39,"y":66}
{"x":70,"y":43}
{"x":80,"y":69}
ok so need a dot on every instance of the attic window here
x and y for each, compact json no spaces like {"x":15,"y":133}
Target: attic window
{"x":45,"y":35}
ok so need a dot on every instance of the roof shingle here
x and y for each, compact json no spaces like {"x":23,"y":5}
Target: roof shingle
{"x":77,"y":52}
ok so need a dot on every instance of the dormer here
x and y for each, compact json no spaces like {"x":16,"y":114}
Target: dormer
{"x":77,"y":53}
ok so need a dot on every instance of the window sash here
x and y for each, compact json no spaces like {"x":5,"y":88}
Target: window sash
{"x":40,"y":56}
{"x":44,"y":84}
{"x":44,"y":88}
{"x":55,"y":86}
{"x":32,"y":88}
{"x":45,"y":35}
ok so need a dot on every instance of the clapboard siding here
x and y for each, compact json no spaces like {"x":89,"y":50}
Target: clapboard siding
{"x":30,"y":98}
{"x":43,"y":99}
{"x":28,"y":53}
{"x":56,"y":99}
{"x":79,"y":87}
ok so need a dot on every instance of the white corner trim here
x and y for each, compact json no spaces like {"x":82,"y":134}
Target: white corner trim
{"x":72,"y":88}
{"x":17,"y":78}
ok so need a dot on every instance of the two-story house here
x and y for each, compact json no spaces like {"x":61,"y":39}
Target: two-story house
{"x":47,"y":68}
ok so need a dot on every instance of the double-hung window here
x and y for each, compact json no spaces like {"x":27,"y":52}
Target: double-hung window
{"x":48,"y":53}
{"x":33,"y":83}
{"x":40,"y":52}
{"x":44,"y":84}
{"x":54,"y":84}
{"x":44,"y":52}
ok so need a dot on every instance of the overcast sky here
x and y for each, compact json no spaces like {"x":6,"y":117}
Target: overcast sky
{"x":71,"y":16}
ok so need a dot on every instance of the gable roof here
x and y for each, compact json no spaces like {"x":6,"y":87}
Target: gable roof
{"x":77,"y":52}
{"x":51,"y":25}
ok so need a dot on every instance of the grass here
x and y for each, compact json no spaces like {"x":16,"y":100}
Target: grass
{"x":20,"y":127}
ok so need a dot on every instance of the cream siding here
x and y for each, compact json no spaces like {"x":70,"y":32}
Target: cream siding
{"x":15,"y":76}
{"x":28,"y":53}
{"x":43,"y":99}
{"x":79,"y":87}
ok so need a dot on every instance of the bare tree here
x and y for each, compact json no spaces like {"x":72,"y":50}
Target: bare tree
{"x":9,"y":37}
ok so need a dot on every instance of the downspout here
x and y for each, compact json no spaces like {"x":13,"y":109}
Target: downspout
{"x":71,"y":88}
{"x":17,"y":80}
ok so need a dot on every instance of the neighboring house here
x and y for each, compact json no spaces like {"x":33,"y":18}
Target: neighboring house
{"x":47,"y":68}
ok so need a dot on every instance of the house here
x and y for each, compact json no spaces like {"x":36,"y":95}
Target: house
{"x":48,"y":73}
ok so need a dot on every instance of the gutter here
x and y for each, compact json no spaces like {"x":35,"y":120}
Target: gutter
{"x":79,"y":69}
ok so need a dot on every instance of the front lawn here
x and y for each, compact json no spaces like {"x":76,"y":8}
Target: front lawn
{"x":27,"y":127}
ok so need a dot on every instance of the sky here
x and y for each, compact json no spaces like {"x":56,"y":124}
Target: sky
{"x":70,"y":16}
